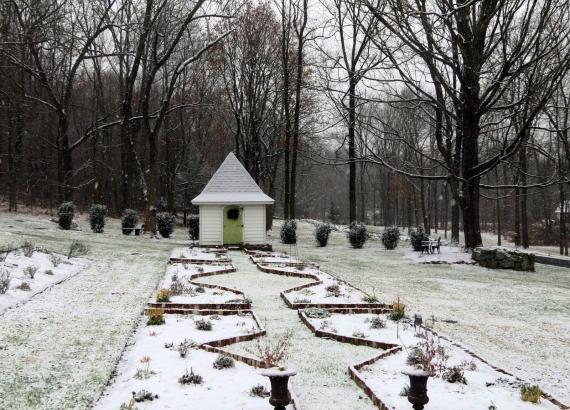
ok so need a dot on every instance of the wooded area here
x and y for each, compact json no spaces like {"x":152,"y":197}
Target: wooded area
{"x":449,"y":115}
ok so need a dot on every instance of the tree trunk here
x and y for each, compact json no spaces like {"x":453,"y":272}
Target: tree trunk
{"x":352,"y":148}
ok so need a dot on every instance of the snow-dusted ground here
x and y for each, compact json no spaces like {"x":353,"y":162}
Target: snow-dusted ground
{"x":322,"y":382}
{"x":221,"y":389}
{"x":58,"y":350}
{"x":447,"y":254}
{"x":331,"y":291}
{"x":196,"y":254}
{"x":485,"y":386}
{"x":519,"y":321}
{"x":183,"y":274}
{"x":49,"y":270}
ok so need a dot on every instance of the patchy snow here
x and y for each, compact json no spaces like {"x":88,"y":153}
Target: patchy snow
{"x":447,"y":254}
{"x":275,"y":259}
{"x":221,"y":389}
{"x":47,"y":268}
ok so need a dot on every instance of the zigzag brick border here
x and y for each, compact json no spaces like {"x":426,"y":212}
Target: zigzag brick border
{"x":359,"y":341}
{"x":220,"y":261}
{"x":389,"y":348}
{"x":355,"y":375}
{"x":371,"y":307}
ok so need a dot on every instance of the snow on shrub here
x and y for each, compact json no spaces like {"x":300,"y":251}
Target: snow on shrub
{"x":4,"y":281}
{"x":76,"y":249}
{"x":322,"y":234}
{"x":155,"y":317}
{"x":417,"y":236}
{"x":194,"y":227}
{"x":129,"y":220}
{"x":223,"y":362}
{"x":165,"y":223}
{"x":288,"y":232}
{"x":357,"y":235}
{"x":190,"y":378}
{"x":97,"y":215}
{"x":31,"y":271}
{"x":316,"y":313}
{"x":531,"y":393}
{"x":28,"y":248}
{"x":202,"y":324}
{"x":65,"y":214}
{"x":163,"y":295}
{"x":390,"y":237}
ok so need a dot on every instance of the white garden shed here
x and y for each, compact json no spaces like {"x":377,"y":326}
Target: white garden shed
{"x":232,"y":207}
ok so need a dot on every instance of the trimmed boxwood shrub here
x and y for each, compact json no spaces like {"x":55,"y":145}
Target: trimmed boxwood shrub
{"x":390,"y":237}
{"x":129,"y":220}
{"x":357,"y":235}
{"x":194,"y":227}
{"x":322,"y":234}
{"x":165,"y":223}
{"x":417,"y":237}
{"x":289,"y":232}
{"x":97,"y":215}
{"x":65,"y":214}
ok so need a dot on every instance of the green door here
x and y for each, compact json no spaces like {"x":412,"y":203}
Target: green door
{"x":233,"y":225}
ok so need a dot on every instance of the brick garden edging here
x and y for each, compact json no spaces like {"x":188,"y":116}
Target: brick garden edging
{"x":220,"y":261}
{"x":361,"y":382}
{"x":343,"y":308}
{"x":359,"y":341}
{"x":292,"y":305}
{"x":355,"y":375}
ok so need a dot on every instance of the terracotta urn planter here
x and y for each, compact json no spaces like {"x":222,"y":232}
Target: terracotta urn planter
{"x":279,"y":379}
{"x":417,"y":394}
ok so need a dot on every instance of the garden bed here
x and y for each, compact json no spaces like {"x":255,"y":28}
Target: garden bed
{"x":30,"y":275}
{"x":183,"y":292}
{"x":485,"y":385}
{"x":328,"y":292}
{"x":154,"y":357}
{"x":198,"y":255}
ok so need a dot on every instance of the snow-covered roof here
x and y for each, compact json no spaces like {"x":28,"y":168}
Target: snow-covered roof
{"x":232,"y":184}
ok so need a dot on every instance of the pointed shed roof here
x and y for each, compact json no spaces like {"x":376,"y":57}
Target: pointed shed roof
{"x":231,"y":184}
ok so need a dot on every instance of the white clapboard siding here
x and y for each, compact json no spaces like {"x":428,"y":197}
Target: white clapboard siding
{"x":211,"y":225}
{"x":254,"y":224}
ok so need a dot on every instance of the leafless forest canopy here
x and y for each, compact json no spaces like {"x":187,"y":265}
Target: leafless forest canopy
{"x":449,"y":114}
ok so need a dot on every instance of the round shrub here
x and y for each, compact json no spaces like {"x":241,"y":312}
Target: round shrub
{"x":97,"y":215}
{"x":165,"y":223}
{"x":322,"y":234}
{"x":129,"y":220}
{"x":223,"y":362}
{"x":289,"y":232}
{"x":65,"y":214}
{"x":390,"y":237}
{"x":417,"y":237}
{"x":194,"y":227}
{"x":357,"y":235}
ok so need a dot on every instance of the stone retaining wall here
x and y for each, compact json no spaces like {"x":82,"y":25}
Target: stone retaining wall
{"x":503,"y":258}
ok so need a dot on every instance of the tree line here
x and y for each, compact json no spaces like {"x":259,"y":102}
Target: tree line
{"x":449,"y":115}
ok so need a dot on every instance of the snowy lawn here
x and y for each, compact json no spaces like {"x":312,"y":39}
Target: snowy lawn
{"x":28,"y":275}
{"x":59,"y":349}
{"x":154,"y":363}
{"x":519,"y":321}
{"x":447,"y":254}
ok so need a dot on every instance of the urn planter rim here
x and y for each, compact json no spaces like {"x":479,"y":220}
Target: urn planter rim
{"x":274,"y":372}
{"x":415,"y":372}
